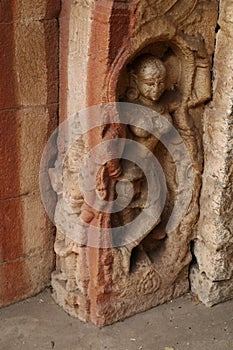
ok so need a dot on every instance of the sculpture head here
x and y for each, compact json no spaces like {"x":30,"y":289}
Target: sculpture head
{"x":148,"y":75}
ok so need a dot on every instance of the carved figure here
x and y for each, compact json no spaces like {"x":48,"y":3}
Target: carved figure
{"x":147,"y":79}
{"x":108,"y":284}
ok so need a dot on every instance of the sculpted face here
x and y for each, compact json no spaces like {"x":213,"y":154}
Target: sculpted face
{"x":150,"y":78}
{"x":151,"y":86}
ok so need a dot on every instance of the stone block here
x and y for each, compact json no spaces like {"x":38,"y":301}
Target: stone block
{"x":25,"y":228}
{"x":31,"y":78}
{"x":211,"y":279}
{"x":217,"y":264}
{"x":26,"y":10}
{"x":8,"y":91}
{"x":26,"y":132}
{"x":38,"y":232}
{"x":25,"y":277}
{"x":6,"y":15}
{"x":28,"y":115}
{"x":26,"y":254}
{"x":14,"y":281}
{"x":36,"y":62}
{"x":36,"y":126}
{"x":9,"y":157}
{"x":210,"y":292}
{"x":11,"y":229}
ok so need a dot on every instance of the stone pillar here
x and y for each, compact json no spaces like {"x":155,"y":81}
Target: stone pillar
{"x":102,"y":43}
{"x":28,"y":114}
{"x":212,"y":276}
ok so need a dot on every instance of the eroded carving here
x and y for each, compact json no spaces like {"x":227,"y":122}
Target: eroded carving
{"x":166,"y":71}
{"x":147,"y":82}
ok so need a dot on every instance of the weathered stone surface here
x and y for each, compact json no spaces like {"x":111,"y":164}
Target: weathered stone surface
{"x":7,"y":69}
{"x":212,"y":278}
{"x":11,"y":218}
{"x":75,"y":27}
{"x":210,"y":292}
{"x":36,"y":62}
{"x":25,"y":10}
{"x":26,"y":260}
{"x":105,"y":284}
{"x":9,"y":155}
{"x":28,"y":115}
{"x":25,"y":135}
{"x":13,"y":273}
{"x":25,"y":277}
{"x":31,"y":78}
{"x":38,"y":234}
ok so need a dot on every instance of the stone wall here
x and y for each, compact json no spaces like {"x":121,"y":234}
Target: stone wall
{"x":98,"y":39}
{"x":28,"y":114}
{"x":212,"y":276}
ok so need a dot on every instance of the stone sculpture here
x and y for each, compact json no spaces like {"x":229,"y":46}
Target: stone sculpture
{"x":161,"y":63}
{"x":147,"y":81}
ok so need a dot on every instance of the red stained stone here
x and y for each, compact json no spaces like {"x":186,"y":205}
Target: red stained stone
{"x":52,"y":57}
{"x":119,"y":30}
{"x":53,"y":8}
{"x":43,"y":10}
{"x":97,"y":69}
{"x":14,"y":273}
{"x":5,"y":11}
{"x":9,"y":161}
{"x":7,"y":72}
{"x":11,"y":230}
{"x":14,"y":285}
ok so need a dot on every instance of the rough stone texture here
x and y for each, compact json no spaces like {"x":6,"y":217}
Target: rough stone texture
{"x":212,"y":277}
{"x":98,"y":40}
{"x":26,"y":11}
{"x":210,"y":292}
{"x":28,"y":115}
{"x":39,"y":57}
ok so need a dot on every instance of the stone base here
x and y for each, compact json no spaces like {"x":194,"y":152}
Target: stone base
{"x":74,"y":303}
{"x":210,"y":292}
{"x":113,"y":307}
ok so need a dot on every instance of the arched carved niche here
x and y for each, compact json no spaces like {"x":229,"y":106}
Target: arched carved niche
{"x":105,"y":285}
{"x":187,"y":64}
